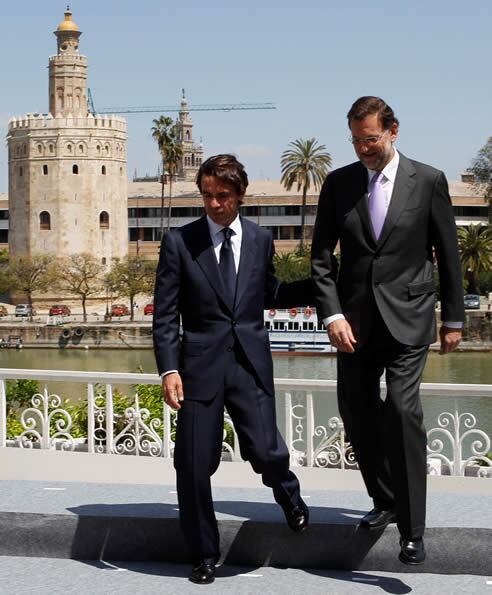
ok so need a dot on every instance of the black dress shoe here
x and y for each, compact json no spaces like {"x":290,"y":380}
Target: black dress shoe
{"x":412,"y":551}
{"x":298,"y":517}
{"x":203,"y":573}
{"x":378,"y":518}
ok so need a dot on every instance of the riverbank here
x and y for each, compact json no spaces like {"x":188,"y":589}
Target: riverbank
{"x":138,"y":335}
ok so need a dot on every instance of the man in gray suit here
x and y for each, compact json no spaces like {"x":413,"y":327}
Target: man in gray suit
{"x":392,"y":218}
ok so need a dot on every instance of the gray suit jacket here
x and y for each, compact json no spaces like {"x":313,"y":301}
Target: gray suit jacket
{"x":394,"y":273}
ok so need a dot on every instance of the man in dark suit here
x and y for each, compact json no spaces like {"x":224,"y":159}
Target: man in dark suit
{"x":390,"y":216}
{"x":217,"y":275}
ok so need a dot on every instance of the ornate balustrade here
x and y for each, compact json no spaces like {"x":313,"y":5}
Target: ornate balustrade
{"x":455,"y":445}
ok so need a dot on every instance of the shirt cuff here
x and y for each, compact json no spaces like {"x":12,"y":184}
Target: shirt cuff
{"x":332,"y":318}
{"x":168,"y":372}
{"x":453,"y":324}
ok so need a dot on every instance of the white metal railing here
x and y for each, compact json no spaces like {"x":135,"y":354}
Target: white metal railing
{"x":455,"y":446}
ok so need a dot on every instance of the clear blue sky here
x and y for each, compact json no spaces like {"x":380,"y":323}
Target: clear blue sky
{"x":430,"y":60}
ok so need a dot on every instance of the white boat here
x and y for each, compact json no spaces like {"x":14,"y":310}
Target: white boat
{"x":297,"y":331}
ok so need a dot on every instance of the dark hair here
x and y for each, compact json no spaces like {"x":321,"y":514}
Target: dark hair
{"x":368,"y":105}
{"x":227,"y":168}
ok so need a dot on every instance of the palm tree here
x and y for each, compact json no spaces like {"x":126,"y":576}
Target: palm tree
{"x":475,"y":245}
{"x":305,"y":163}
{"x":165,"y":133}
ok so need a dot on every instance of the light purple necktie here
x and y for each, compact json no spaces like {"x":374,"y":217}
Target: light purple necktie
{"x":377,"y":203}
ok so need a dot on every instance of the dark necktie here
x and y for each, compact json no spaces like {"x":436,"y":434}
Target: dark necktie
{"x":226,"y":264}
{"x":377,"y":204}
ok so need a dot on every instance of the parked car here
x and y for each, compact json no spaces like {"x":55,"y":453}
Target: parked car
{"x":472,"y":301}
{"x":119,"y":310}
{"x":24,"y":310}
{"x":3,"y":311}
{"x":149,"y":309}
{"x":59,"y":310}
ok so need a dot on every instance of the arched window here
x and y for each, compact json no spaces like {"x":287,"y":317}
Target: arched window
{"x":40,"y":149}
{"x":187,"y":135}
{"x":44,"y":220}
{"x":103,"y":170}
{"x":52,"y":149}
{"x":45,"y":170}
{"x":75,"y":169}
{"x":69,"y":148}
{"x":103,"y":220}
{"x":81,"y":149}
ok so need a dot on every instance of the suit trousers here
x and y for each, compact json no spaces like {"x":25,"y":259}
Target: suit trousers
{"x":198,"y":448}
{"x":388,"y":436}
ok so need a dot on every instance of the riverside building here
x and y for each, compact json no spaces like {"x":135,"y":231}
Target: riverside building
{"x":67,"y":169}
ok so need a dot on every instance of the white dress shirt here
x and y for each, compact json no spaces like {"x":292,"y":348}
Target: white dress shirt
{"x":387,"y":183}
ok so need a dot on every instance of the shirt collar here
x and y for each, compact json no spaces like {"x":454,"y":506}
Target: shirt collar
{"x":215,"y":228}
{"x":389,"y":172}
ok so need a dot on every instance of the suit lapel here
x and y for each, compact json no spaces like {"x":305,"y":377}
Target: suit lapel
{"x":247,"y":260}
{"x":360,"y":191}
{"x":403,"y":188}
{"x":203,"y":252}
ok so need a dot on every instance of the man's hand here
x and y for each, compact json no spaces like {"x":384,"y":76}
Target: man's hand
{"x":450,"y":339}
{"x":341,"y":336}
{"x":172,"y":388}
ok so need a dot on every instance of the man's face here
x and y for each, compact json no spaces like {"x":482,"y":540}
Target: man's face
{"x":220,"y":200}
{"x":372,"y":143}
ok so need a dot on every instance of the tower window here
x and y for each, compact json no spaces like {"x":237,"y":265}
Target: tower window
{"x":45,"y":170}
{"x":103,"y":260}
{"x":106,"y":148}
{"x":40,"y":149}
{"x":21,"y":172}
{"x":98,"y":148}
{"x":52,"y":149}
{"x":44,"y":220}
{"x":103,"y":170}
{"x":69,"y":148}
{"x":104,"y":220}
{"x":24,"y":149}
{"x":75,"y":169}
{"x":81,"y":148}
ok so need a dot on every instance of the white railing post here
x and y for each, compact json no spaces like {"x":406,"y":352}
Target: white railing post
{"x":109,"y":419}
{"x":90,"y":417}
{"x":288,"y":424}
{"x":309,"y":430}
{"x":166,"y":436}
{"x":457,"y":442}
{"x":3,"y":412}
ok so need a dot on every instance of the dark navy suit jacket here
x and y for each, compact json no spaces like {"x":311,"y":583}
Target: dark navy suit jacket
{"x":189,"y":284}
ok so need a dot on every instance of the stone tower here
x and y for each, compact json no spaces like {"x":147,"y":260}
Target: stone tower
{"x":192,"y":153}
{"x":67,"y":169}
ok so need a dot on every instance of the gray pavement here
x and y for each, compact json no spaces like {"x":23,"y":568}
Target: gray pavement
{"x":50,"y":576}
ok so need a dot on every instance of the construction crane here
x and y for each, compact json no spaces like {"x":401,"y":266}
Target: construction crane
{"x":226,"y":107}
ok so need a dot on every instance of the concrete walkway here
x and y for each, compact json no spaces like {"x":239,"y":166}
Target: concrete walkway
{"x":105,"y":507}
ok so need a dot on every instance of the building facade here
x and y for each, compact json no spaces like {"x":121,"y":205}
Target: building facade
{"x":67,"y":169}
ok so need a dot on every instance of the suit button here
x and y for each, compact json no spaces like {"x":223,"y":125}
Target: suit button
{"x":376,"y":257}
{"x":376,"y":284}
{"x":229,"y":348}
{"x":234,"y":323}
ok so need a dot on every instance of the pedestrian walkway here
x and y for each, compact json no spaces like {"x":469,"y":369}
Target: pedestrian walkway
{"x":114,"y":518}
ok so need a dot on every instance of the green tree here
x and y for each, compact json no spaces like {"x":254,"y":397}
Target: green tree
{"x":30,"y":274}
{"x":292,"y":266}
{"x":482,"y":170}
{"x":475,"y":245}
{"x":165,"y":133}
{"x":304,"y":164}
{"x":131,"y":277}
{"x":82,"y":275}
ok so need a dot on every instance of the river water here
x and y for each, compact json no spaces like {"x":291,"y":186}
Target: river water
{"x":465,"y":368}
